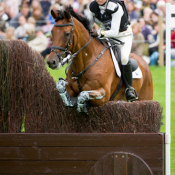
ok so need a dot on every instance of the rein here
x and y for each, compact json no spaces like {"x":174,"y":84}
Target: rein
{"x":77,"y":76}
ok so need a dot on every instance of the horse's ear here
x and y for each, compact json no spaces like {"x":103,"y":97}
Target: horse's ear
{"x":67,"y":15}
{"x":54,"y":14}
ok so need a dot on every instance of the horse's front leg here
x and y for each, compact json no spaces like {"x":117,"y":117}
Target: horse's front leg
{"x":67,"y":100}
{"x":85,"y":96}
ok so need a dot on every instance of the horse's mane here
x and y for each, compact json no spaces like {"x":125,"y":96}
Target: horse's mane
{"x":79,"y":17}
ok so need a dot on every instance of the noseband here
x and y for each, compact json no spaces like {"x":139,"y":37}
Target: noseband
{"x":66,"y":50}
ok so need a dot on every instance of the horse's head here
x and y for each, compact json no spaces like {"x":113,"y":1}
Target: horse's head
{"x":61,"y":34}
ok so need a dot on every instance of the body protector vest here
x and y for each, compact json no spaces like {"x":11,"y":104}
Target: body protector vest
{"x":106,"y":18}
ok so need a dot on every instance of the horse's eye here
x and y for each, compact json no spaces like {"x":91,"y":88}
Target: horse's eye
{"x":67,"y":34}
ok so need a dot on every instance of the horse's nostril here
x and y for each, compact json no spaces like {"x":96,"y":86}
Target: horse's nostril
{"x":53,"y":62}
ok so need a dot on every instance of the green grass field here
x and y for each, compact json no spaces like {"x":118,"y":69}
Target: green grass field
{"x":158,"y":74}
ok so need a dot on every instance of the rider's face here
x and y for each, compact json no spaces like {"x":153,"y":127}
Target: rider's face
{"x":101,"y":2}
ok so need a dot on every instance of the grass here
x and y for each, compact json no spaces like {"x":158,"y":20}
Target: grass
{"x":56,"y":74}
{"x":158,"y":74}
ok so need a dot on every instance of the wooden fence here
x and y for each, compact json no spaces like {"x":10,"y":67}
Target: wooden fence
{"x":70,"y":153}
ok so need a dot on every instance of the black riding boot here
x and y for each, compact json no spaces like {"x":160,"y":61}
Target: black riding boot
{"x":130,"y":92}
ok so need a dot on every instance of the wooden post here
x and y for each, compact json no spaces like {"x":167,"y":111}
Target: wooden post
{"x":161,"y":43}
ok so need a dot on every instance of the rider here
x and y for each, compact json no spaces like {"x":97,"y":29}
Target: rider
{"x":112,"y":18}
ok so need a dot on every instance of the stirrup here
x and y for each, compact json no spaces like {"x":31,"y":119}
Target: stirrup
{"x":134,"y":92}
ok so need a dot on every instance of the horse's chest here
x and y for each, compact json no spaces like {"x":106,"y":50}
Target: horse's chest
{"x":76,"y":86}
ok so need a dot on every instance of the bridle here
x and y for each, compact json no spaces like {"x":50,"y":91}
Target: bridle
{"x":66,"y":50}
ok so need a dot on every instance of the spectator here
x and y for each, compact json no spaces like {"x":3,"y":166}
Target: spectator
{"x":173,"y":38}
{"x":30,"y":31}
{"x":40,"y":42}
{"x":154,"y":17}
{"x":35,"y":4}
{"x":138,"y":41}
{"x":161,"y":6}
{"x":133,"y":14}
{"x":14,"y":7}
{"x":25,"y":11}
{"x":8,"y":13}
{"x":3,"y":15}
{"x":86,"y":11}
{"x":82,"y":3}
{"x":172,"y":50}
{"x":10,"y":33}
{"x":153,"y":5}
{"x":146,"y":15}
{"x":59,"y":2}
{"x":3,"y":18}
{"x":76,"y":5}
{"x":138,"y":6}
{"x":73,"y":3}
{"x":20,"y":31}
{"x":145,"y":29}
{"x":145,"y":4}
{"x":31,"y":20}
{"x":50,"y":20}
{"x":154,"y":43}
{"x":26,"y":2}
{"x":45,"y":4}
{"x":38,"y":16}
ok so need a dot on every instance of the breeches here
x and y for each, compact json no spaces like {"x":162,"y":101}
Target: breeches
{"x":126,"y":48}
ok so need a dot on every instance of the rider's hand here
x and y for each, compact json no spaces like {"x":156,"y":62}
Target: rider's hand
{"x":94,"y":33}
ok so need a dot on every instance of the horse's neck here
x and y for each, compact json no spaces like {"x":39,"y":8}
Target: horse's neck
{"x":83,"y":58}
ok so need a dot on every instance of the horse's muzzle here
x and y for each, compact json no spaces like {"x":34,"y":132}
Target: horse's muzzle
{"x":52,"y":64}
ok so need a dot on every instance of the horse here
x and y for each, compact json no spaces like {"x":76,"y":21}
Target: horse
{"x":90,"y":77}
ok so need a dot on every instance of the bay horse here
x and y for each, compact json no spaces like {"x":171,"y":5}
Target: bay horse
{"x":91,"y":76}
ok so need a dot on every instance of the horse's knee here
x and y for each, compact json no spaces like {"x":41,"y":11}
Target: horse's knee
{"x":82,"y":105}
{"x":83,"y":97}
{"x":61,"y":86}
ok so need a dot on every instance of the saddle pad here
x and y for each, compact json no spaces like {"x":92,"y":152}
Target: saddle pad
{"x":135,"y":74}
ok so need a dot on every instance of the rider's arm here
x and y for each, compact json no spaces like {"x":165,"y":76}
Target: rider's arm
{"x":115,"y":24}
{"x":91,"y":19}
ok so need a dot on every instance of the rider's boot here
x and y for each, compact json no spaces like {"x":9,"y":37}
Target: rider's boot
{"x":130,"y":92}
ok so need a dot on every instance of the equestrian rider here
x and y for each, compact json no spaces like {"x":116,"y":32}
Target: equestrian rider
{"x":112,"y":18}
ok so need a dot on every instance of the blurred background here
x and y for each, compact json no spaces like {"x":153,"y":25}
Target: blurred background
{"x":31,"y":21}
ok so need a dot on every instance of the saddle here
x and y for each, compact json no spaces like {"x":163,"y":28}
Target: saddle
{"x":117,"y":54}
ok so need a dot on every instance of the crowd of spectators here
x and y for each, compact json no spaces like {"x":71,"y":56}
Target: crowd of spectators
{"x":31,"y":21}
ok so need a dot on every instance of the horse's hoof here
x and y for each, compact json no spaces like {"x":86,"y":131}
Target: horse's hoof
{"x":83,"y":108}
